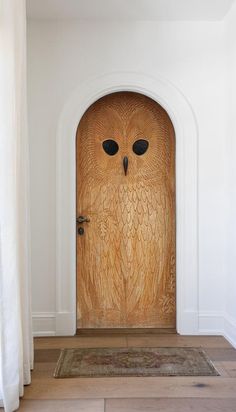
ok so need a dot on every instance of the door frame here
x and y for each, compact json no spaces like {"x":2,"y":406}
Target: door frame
{"x":186,"y":135}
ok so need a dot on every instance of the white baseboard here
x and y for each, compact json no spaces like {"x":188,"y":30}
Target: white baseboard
{"x":53,"y":324}
{"x":65,"y":324}
{"x":206,"y":323}
{"x":44,"y":323}
{"x":211,"y":323}
{"x":189,"y":323}
{"x":230,"y":330}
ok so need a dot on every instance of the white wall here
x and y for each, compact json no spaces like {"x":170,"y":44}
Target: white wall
{"x":230,"y":44}
{"x":61,"y":56}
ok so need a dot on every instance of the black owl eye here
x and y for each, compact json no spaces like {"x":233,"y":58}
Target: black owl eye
{"x":140,"y":147}
{"x":110,"y":147}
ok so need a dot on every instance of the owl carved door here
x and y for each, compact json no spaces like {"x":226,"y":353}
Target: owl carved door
{"x":125,"y":154}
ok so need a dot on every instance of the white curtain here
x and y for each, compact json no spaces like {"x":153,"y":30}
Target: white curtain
{"x":15,"y":319}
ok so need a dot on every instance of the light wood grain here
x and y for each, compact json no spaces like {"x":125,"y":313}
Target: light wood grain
{"x":215,"y":342}
{"x":80,"y":342}
{"x":221,"y":369}
{"x":174,"y":394}
{"x":45,"y":369}
{"x":222,"y":354}
{"x":126,"y":257}
{"x":161,"y":387}
{"x":124,"y":331}
{"x":171,"y":405}
{"x":46,"y":355}
{"x":81,"y":405}
{"x":230,"y":367}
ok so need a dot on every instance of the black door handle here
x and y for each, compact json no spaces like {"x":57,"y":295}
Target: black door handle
{"x":82,"y":219}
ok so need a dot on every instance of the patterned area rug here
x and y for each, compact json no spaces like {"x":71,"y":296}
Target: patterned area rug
{"x":101,"y":362}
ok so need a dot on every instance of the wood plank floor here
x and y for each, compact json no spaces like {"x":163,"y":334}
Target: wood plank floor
{"x":162,"y":394}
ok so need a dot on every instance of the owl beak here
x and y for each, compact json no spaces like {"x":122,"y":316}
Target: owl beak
{"x":125,"y":164}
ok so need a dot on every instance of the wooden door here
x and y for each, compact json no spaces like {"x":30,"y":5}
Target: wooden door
{"x":126,"y":188}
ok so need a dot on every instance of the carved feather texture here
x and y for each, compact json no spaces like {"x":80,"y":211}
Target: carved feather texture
{"x":126,"y":258}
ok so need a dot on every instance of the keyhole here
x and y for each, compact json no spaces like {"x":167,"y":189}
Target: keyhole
{"x":81,"y":231}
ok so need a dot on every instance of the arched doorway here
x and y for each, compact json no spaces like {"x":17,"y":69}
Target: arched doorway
{"x":125,"y":170}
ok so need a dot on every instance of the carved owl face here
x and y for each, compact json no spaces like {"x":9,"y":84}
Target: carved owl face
{"x":126,"y":138}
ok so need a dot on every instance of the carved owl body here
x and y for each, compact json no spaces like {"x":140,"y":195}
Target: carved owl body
{"x":126,"y":185}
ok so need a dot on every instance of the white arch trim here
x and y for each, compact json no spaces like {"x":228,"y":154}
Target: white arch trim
{"x":182,"y":116}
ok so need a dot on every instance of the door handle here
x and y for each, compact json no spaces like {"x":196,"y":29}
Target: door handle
{"x":82,"y":219}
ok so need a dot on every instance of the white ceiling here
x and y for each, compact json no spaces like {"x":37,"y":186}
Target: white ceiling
{"x":129,"y":9}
